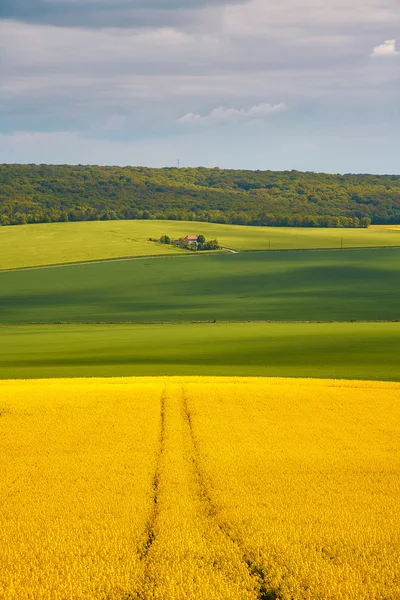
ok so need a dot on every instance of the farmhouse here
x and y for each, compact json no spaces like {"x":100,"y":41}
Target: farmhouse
{"x":191,"y":239}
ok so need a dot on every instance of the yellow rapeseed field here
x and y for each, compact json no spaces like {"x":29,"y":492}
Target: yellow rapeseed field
{"x":199,"y":488}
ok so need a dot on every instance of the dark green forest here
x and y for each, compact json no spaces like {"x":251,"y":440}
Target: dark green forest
{"x":46,"y":193}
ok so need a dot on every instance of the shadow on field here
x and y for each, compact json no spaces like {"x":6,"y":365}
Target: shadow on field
{"x":359,"y":285}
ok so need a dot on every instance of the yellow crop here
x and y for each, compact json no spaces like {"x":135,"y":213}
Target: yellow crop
{"x":199,"y":489}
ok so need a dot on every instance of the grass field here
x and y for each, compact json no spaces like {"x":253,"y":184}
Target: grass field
{"x":282,"y":286}
{"x":54,"y":243}
{"x":188,"y":488}
{"x":325,"y":350}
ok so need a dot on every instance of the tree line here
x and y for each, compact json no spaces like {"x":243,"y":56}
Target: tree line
{"x":48,"y":193}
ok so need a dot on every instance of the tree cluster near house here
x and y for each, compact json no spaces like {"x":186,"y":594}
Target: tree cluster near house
{"x":190,"y":242}
{"x":210,"y":245}
{"x":48,"y":193}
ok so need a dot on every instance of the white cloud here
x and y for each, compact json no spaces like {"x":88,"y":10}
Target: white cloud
{"x":386,"y":49}
{"x":225,"y":115}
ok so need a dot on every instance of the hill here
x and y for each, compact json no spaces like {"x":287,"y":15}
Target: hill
{"x":362,"y":285}
{"x":338,"y":350}
{"x":45,"y":193}
{"x":56,"y":243}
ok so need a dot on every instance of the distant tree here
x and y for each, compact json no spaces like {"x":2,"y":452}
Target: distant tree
{"x":19,"y":219}
{"x":213,"y":245}
{"x":210,"y":245}
{"x":165,"y":239}
{"x":182,"y":243}
{"x":201,"y":240}
{"x":365,"y":222}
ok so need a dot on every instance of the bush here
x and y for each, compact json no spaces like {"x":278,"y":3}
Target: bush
{"x":211,"y":245}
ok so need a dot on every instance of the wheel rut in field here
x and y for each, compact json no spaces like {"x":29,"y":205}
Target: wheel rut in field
{"x":151,"y":524}
{"x":257,"y":573}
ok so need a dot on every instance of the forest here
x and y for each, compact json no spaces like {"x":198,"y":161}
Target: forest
{"x":53,"y":193}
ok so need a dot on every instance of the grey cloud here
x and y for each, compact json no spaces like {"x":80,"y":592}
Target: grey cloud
{"x":106,"y":13}
{"x":33,"y":50}
{"x":240,"y":55}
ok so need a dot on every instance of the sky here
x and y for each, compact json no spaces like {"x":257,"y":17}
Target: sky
{"x":312,"y":85}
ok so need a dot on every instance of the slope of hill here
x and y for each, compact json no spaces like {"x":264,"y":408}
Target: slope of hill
{"x":362,"y":285}
{"x":56,"y":243}
{"x":40,"y":193}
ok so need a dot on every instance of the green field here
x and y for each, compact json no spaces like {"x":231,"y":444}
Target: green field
{"x":55,"y":243}
{"x":239,"y":291}
{"x":362,"y":285}
{"x":327,"y":350}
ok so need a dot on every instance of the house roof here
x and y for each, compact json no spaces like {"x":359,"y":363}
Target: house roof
{"x":192,"y":237}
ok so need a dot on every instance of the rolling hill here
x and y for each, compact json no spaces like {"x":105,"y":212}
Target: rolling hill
{"x":326,"y":285}
{"x":55,"y":243}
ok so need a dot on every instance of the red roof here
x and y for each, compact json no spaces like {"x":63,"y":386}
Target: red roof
{"x":192,"y":237}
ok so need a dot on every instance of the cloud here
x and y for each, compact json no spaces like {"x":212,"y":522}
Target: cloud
{"x":105,"y":13}
{"x":386,"y":49}
{"x":245,"y":16}
{"x":229,"y":115}
{"x":115,"y":122}
{"x":127,"y":70}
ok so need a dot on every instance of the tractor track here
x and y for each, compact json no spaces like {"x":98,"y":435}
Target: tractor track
{"x":257,"y":573}
{"x":151,"y":524}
